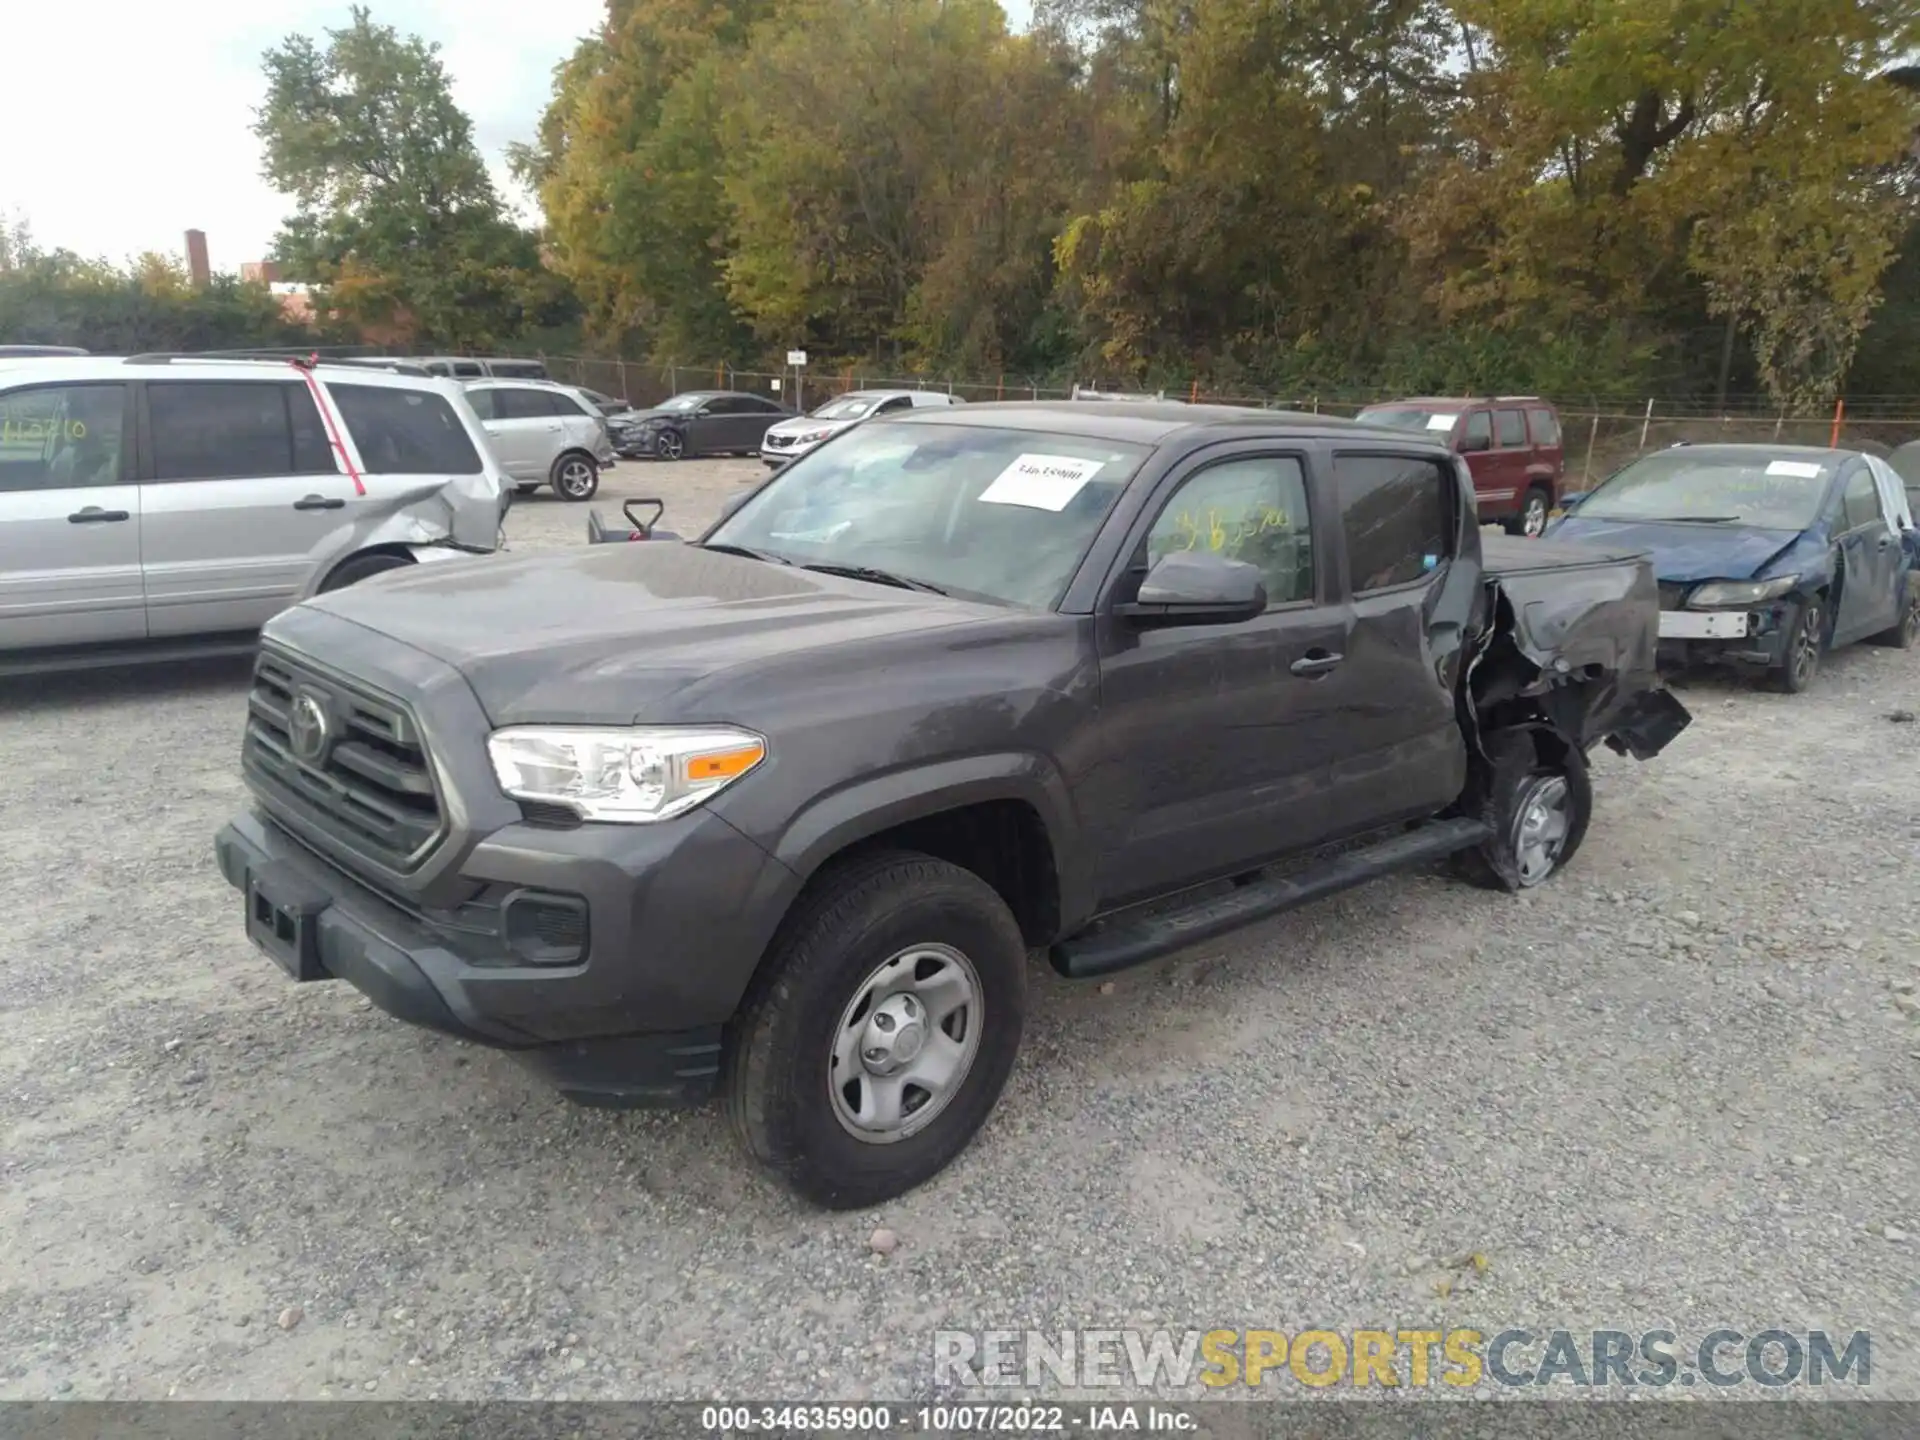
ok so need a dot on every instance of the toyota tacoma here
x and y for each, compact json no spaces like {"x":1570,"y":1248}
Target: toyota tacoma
{"x":781,"y":812}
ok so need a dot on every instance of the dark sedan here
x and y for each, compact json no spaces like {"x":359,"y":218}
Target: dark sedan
{"x":1768,"y":556}
{"x":699,"y":422}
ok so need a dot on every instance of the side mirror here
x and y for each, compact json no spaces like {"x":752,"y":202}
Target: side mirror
{"x":1197,"y":587}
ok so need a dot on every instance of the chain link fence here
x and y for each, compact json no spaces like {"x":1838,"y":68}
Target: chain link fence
{"x":1600,"y":435}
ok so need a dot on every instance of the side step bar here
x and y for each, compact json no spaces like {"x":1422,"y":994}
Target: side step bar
{"x":1112,"y":945}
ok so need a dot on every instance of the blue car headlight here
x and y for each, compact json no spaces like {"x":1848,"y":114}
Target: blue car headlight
{"x":1718,"y":594}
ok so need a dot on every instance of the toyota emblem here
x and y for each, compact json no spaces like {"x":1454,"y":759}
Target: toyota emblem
{"x":307,"y":728}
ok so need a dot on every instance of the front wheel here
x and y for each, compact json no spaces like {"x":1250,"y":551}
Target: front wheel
{"x":1531,"y":522}
{"x":882,"y":1031}
{"x":1805,"y":625}
{"x":670,"y":445}
{"x":575,"y":476}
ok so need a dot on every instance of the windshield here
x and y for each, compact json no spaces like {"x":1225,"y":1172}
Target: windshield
{"x":847,"y":407}
{"x":1761,"y":490}
{"x":1408,"y":417}
{"x":680,"y":403}
{"x":1003,"y":515}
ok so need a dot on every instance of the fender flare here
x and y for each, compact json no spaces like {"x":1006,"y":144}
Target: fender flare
{"x":877,"y":803}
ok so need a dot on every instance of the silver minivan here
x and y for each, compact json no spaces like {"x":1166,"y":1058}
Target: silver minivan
{"x":171,"y":503}
{"x":544,"y":434}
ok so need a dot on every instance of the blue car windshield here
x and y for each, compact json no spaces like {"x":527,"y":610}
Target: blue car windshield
{"x":1767,"y":492}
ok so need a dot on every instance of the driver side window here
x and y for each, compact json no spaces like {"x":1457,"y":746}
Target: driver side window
{"x":1860,"y":505}
{"x":1252,"y":509}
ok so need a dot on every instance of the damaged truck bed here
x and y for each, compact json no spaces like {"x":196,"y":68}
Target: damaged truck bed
{"x":783,"y":810}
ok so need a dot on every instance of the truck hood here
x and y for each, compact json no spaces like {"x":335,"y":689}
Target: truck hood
{"x":609,"y":634}
{"x":1682,"y":553}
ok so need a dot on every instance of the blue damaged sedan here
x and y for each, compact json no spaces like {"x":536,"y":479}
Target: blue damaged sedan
{"x":1768,"y":556}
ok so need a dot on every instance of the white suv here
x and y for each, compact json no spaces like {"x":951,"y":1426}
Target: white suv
{"x":544,"y":434}
{"x":161,"y":504}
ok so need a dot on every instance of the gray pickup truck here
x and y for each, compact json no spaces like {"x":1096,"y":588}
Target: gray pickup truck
{"x":781,"y":812}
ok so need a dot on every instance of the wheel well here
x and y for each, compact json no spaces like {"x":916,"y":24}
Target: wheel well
{"x":1004,"y":842}
{"x":399,"y":552}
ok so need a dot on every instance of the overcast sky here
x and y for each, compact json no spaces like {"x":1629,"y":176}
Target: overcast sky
{"x":128,"y":121}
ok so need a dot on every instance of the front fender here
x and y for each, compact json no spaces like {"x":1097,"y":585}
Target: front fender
{"x":877,"y":803}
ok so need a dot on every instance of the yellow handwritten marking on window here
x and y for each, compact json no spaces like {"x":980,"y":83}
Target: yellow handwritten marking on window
{"x":1224,"y":535}
{"x":24,"y":431}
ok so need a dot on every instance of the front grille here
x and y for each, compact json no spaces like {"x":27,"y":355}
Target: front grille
{"x":363,"y":785}
{"x":1672,"y":596}
{"x":779,"y":442}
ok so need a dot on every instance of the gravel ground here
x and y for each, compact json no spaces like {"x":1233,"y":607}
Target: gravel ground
{"x":1673,"y":1088}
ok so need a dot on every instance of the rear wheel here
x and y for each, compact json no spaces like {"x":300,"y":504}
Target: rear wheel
{"x":361,"y":567}
{"x":1907,"y":629}
{"x":1806,"y":637}
{"x":575,"y":476}
{"x":1534,"y":510}
{"x":881,"y":1033}
{"x":1538,"y":800}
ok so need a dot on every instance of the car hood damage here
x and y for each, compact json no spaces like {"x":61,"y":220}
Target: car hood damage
{"x":1684,"y":553}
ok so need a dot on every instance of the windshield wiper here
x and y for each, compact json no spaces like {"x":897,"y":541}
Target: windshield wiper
{"x":1689,"y":519}
{"x":721,"y":547}
{"x":878,"y":577}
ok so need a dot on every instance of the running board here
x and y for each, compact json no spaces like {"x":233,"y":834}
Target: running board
{"x":1113,"y":946}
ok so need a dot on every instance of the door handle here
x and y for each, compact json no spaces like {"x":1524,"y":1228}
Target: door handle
{"x":319,"y":502}
{"x":1315,"y":663}
{"x":94,"y":515}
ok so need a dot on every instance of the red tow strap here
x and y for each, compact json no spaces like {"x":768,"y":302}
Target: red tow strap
{"x":326,"y":419}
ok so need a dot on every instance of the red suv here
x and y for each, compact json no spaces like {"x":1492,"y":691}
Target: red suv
{"x":1511,"y":445}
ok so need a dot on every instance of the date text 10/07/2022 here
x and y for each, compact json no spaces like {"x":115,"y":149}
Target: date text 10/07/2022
{"x":943,"y":1419}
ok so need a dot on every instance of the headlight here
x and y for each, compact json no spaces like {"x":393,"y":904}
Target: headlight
{"x":627,"y":775}
{"x":811,"y":436}
{"x":1740,"y":592}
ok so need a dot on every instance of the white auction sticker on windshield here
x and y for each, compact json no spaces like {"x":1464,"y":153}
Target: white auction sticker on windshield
{"x":1799,"y":468}
{"x":1041,"y":482}
{"x":1442,"y":422}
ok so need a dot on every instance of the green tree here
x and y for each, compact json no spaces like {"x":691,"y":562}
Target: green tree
{"x":395,"y":212}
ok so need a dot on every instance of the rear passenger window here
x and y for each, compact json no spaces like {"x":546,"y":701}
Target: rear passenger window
{"x":519,"y":403}
{"x":59,"y":437}
{"x":1510,"y":426}
{"x":1862,"y":500}
{"x":405,"y":432}
{"x":1396,"y":514}
{"x":1253,"y":510}
{"x":234,"y":430}
{"x":1545,"y":427}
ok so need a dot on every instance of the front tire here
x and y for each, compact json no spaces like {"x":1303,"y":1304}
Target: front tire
{"x":670,"y":445}
{"x":1806,"y":628}
{"x":882,"y":1030}
{"x":575,"y":476}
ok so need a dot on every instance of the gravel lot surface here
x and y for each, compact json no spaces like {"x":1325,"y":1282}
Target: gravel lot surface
{"x":1675,"y":1087}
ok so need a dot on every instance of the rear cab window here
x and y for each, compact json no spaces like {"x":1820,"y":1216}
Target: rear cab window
{"x":1396,"y":516}
{"x":61,"y":437}
{"x":405,"y":432}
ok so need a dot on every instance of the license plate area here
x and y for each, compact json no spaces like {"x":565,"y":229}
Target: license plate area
{"x":1703,"y":624}
{"x":283,"y":919}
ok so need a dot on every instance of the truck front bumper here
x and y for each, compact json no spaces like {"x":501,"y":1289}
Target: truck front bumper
{"x":634,"y":1018}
